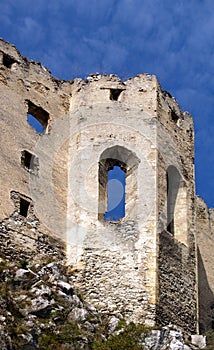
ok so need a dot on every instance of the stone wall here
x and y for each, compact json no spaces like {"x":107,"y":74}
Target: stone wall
{"x":24,"y":240}
{"x":115,"y":280}
{"x":121,"y":129}
{"x":28,"y":87}
{"x":205,"y":243}
{"x":177,"y":268}
{"x":177,"y":284}
{"x":148,"y":123}
{"x":136,"y":266}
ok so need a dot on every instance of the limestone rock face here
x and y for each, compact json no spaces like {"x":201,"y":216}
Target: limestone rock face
{"x":38,"y":303}
{"x":170,"y":338}
{"x":41,"y":310}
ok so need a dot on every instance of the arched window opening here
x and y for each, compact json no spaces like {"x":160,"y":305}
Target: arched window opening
{"x":118,"y":190}
{"x":176,"y":205}
{"x":115,"y":194}
{"x":37,"y":118}
{"x":35,"y":124}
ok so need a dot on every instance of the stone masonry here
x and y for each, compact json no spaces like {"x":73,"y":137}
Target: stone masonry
{"x":151,"y":265}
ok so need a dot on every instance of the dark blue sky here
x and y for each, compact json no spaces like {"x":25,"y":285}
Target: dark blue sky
{"x":172,"y":39}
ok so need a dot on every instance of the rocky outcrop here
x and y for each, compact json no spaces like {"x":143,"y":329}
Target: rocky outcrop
{"x":41,"y":309}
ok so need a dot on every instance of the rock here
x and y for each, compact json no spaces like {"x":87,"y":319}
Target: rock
{"x":78,"y":314}
{"x":152,"y":340}
{"x":77,"y":302}
{"x":41,"y":307}
{"x":113,"y":323}
{"x":41,"y":290}
{"x":22,"y":274}
{"x":198,"y":340}
{"x":169,"y":338}
{"x":66,"y":287}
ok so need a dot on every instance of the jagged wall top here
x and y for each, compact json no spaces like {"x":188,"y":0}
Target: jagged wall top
{"x":96,"y":88}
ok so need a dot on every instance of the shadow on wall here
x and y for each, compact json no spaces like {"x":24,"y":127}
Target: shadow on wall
{"x":206,"y":299}
{"x":176,"y":292}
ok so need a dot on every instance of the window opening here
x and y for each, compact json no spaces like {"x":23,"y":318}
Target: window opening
{"x":29,"y":162}
{"x":115,"y":194}
{"x":177,"y":208}
{"x":37,"y":118}
{"x":8,"y":60}
{"x":118,"y":168}
{"x":173,"y":183}
{"x":212,"y":317}
{"x":174,"y":116}
{"x":24,"y":205}
{"x":35,"y":124}
{"x":115,"y":93}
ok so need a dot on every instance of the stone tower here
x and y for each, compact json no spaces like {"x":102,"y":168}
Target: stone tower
{"x":142,"y":266}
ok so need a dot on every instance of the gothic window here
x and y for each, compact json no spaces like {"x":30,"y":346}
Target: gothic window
{"x":117,"y":183}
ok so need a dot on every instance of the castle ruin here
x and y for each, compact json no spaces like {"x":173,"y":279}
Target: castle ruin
{"x":155,"y":264}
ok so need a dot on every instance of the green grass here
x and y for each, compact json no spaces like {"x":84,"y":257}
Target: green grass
{"x":209,"y":340}
{"x":127,"y":339}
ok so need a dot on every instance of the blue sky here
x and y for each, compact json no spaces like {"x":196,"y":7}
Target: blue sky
{"x":172,"y":39}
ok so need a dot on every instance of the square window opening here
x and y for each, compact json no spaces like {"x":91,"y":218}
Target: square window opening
{"x":115,"y":93}
{"x":8,"y":61}
{"x":29,"y":162}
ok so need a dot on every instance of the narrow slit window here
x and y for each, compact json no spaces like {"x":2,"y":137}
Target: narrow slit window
{"x":212,"y":317}
{"x":114,"y":94}
{"x":115,"y":194}
{"x":37,"y":118}
{"x":173,"y":181}
{"x":8,"y":61}
{"x":24,"y":206}
{"x":29,"y":162}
